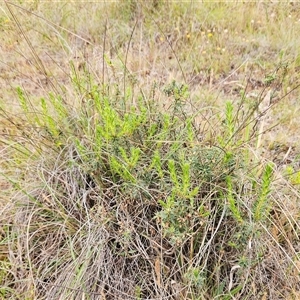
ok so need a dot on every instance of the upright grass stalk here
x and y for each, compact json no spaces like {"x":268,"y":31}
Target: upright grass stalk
{"x":262,"y":205}
{"x":232,"y":201}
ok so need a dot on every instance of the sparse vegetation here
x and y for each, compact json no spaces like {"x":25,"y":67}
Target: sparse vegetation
{"x":149,"y":150}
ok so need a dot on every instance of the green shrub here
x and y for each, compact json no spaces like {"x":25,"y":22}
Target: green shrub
{"x":107,"y":188}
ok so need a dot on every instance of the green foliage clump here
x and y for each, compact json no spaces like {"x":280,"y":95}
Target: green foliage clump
{"x":115,"y":184}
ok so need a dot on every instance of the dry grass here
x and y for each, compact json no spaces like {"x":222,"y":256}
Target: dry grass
{"x":151,"y":151}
